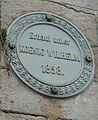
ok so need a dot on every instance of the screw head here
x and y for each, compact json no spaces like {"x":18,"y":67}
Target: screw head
{"x":11,"y":45}
{"x":88,"y":58}
{"x":48,"y":17}
{"x":54,"y":89}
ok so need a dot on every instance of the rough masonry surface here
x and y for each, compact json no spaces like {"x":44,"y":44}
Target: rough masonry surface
{"x":17,"y":100}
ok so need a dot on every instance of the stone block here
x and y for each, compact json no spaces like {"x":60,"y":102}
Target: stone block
{"x":95,"y":51}
{"x":15,"y":116}
{"x":82,"y":3}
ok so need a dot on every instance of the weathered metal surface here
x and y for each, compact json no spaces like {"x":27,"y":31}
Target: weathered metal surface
{"x":50,"y":54}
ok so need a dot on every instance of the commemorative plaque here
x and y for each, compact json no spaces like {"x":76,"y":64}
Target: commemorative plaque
{"x":49,"y":54}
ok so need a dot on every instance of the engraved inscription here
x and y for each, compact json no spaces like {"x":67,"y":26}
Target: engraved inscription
{"x":51,"y":69}
{"x":31,"y":50}
{"x":48,"y":38}
{"x":60,"y":41}
{"x":50,"y":53}
{"x":39,"y":37}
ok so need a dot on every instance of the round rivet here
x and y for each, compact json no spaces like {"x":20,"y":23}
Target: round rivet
{"x":48,"y":17}
{"x":11,"y":45}
{"x":54,"y":89}
{"x":88,"y":58}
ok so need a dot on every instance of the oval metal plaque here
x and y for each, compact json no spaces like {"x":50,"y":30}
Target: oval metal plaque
{"x":50,"y":54}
